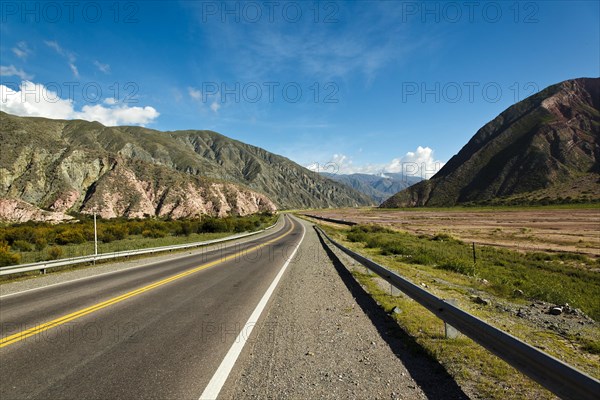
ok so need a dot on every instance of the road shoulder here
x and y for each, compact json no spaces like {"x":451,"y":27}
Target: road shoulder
{"x":324,"y":337}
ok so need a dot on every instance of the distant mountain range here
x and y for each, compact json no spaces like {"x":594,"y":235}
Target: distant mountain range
{"x":52,"y":167}
{"x":378,"y":187}
{"x":544,"y":149}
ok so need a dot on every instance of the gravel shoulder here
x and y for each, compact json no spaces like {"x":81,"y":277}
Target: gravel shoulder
{"x":81,"y":272}
{"x":325,"y":337}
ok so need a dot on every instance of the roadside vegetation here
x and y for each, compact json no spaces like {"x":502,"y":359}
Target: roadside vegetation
{"x":556,"y":278}
{"x":511,"y":283}
{"x":592,"y":204}
{"x":32,"y":242}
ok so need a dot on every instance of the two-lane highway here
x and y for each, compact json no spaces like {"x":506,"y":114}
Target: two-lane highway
{"x":156,"y":332}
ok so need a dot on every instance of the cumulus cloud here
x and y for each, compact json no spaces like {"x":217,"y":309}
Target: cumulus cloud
{"x":339,"y":164}
{"x":118,"y":115}
{"x":21,"y":50}
{"x":34,"y":99}
{"x":11,"y":70}
{"x":420,"y":162}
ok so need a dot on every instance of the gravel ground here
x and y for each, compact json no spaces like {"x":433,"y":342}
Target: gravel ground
{"x":325,"y":338}
{"x":53,"y":278}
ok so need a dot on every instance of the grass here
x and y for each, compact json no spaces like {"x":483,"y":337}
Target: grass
{"x":476,"y":208}
{"x":557,"y":278}
{"x":475,"y":369}
{"x":478,"y":371}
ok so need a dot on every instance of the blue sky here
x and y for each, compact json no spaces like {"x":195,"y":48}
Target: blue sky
{"x":366,"y":84}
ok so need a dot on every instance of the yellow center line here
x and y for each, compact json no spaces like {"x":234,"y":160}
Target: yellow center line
{"x":88,"y":310}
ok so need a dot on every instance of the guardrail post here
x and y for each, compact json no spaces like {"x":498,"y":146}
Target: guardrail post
{"x":450,"y":331}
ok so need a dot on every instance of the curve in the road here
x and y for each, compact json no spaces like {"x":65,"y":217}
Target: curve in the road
{"x":14,"y":338}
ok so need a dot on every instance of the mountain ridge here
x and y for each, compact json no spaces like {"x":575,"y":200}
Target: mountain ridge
{"x":74,"y":165}
{"x":378,"y":187}
{"x":549,"y":140}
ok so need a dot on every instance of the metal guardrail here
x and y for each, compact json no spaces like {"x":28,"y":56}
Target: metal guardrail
{"x":555,"y":375}
{"x":44,"y":265}
{"x":335,"y":221}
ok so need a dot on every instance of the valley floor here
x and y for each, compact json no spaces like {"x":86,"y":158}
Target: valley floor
{"x":548,"y":229}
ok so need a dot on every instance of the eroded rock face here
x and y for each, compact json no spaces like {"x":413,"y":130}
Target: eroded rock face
{"x":14,"y":210}
{"x":80,"y":166}
{"x":41,"y":185}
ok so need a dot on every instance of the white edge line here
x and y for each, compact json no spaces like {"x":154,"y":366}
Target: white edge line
{"x":230,"y":244}
{"x":216,"y":383}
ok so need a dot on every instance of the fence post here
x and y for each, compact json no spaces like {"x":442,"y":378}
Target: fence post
{"x":474,"y":259}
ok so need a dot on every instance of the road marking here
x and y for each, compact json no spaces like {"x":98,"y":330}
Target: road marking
{"x":14,"y":338}
{"x":230,"y":244}
{"x":216,"y":383}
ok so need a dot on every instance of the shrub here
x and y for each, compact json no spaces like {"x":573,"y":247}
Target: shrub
{"x":592,"y":347}
{"x":185,"y":228}
{"x":445,"y":237}
{"x":55,"y":253}
{"x":70,"y":236}
{"x":370,"y":228}
{"x":213,"y":225}
{"x":116,"y":232}
{"x":244,"y":225}
{"x":21,"y":245}
{"x":40,"y":244}
{"x":154,"y":233}
{"x":6,"y":257}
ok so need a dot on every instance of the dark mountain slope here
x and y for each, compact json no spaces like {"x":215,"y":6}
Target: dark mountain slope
{"x":545,"y":148}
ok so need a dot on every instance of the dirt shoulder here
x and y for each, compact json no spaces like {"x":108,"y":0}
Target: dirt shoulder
{"x":325,"y":337}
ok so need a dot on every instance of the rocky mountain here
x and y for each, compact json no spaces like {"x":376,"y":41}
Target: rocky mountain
{"x":56,"y":166}
{"x":544,"y":149}
{"x":378,"y":187}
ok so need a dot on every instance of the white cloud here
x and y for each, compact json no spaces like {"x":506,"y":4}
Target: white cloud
{"x":105,"y":68}
{"x":11,"y":70}
{"x":118,"y":115}
{"x":420,"y":162}
{"x":65,"y":53}
{"x":74,"y":70}
{"x":110,"y":101}
{"x":36,"y":100}
{"x":206,"y":98}
{"x":215,"y":106}
{"x":21,"y":50}
{"x":53,"y":44}
{"x":194,"y":93}
{"x":339,"y":164}
{"x":363,"y":45}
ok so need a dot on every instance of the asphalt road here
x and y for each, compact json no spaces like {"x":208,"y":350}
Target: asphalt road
{"x":156,"y":332}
